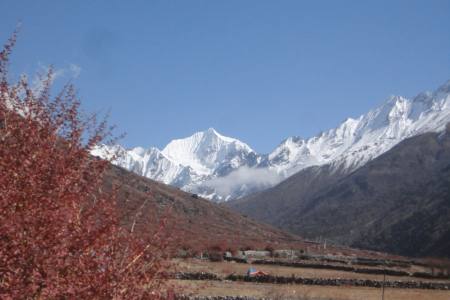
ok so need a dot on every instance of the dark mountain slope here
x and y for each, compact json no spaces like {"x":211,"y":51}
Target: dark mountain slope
{"x":273,"y":204}
{"x":399,"y":202}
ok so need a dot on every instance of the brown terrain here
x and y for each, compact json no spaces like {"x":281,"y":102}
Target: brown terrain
{"x":192,"y":222}
{"x":298,"y":291}
{"x":302,"y":292}
{"x":197,"y":225}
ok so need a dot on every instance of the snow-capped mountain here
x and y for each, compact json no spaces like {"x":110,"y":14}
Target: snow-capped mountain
{"x":221,"y":168}
{"x":209,"y":153}
{"x":356,"y":141}
{"x":187,"y":163}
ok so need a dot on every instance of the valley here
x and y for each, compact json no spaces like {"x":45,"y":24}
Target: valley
{"x":323,"y":283}
{"x":398,"y":202}
{"x":264,"y":150}
{"x":206,"y":237}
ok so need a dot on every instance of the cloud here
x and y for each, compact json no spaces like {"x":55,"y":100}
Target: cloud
{"x":72,"y":71}
{"x":37,"y":84}
{"x":75,"y":70}
{"x":244,"y":177}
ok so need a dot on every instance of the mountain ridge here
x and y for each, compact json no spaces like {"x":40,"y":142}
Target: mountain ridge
{"x":222,"y":168}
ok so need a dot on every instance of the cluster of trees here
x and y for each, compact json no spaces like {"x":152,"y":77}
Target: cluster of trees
{"x":60,"y":233}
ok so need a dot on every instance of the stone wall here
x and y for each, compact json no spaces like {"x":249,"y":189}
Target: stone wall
{"x":333,"y":267}
{"x":316,"y":281}
{"x":341,"y":282}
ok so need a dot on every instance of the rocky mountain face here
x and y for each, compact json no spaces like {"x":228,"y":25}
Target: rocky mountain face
{"x":222,"y":168}
{"x":399,"y":202}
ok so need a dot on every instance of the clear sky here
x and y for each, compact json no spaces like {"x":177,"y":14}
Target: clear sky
{"x":259,"y":71}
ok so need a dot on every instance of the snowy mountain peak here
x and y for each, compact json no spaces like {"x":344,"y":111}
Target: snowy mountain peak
{"x":356,"y":141}
{"x":211,"y":131}
{"x":221,"y":167}
{"x":204,"y":151}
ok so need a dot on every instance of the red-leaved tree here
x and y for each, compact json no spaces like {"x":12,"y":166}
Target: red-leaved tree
{"x":60,"y":235}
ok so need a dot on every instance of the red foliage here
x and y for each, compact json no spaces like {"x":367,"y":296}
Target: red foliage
{"x":60,"y":236}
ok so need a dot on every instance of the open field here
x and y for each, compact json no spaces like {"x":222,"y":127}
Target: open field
{"x":226,"y":268}
{"x":274,"y":291}
{"x":295,"y":291}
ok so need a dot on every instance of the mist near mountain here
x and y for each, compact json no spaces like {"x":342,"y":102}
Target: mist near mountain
{"x":249,"y":179}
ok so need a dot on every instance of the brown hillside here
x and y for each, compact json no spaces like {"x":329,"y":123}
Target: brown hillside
{"x":198,"y":224}
{"x":193,"y":222}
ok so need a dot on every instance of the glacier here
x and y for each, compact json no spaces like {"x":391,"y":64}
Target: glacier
{"x":222,"y":168}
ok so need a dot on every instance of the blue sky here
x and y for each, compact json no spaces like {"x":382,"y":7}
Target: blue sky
{"x":259,"y":71}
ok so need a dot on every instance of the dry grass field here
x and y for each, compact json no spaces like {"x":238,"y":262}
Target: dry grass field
{"x":290,"y":291}
{"x":225,"y":268}
{"x":274,"y":291}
